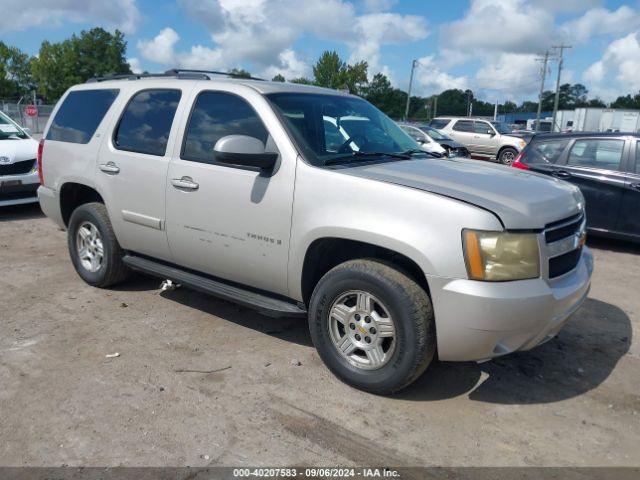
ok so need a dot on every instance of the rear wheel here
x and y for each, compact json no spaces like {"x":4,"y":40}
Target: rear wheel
{"x":93,"y":247}
{"x":507,"y":156}
{"x":372,"y":325}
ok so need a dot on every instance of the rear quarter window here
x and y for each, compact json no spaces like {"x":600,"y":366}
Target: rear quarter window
{"x":80,"y":114}
{"x":547,"y":151}
{"x":439,"y":123}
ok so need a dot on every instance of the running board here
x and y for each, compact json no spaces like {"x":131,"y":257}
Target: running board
{"x":263,"y":303}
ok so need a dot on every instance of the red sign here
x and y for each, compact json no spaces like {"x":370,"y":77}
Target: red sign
{"x":31,"y":110}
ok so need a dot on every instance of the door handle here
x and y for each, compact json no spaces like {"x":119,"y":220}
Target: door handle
{"x":110,"y":167}
{"x":185,"y":183}
{"x":561,"y":174}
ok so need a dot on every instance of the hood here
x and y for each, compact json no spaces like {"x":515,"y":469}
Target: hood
{"x":521,"y":199}
{"x":523,"y":135}
{"x":18,"y":150}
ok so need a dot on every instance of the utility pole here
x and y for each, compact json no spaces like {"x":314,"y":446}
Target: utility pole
{"x":435,"y":106}
{"x":495,"y":111}
{"x":545,"y":60}
{"x":560,"y":49}
{"x":406,"y":110}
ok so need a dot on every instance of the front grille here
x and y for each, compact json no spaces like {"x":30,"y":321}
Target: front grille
{"x":564,"y":263}
{"x":562,"y":231}
{"x":17,"y":168}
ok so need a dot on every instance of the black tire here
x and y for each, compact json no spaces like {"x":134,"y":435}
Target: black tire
{"x":407,"y":303}
{"x":112,"y":270}
{"x":507,"y":155}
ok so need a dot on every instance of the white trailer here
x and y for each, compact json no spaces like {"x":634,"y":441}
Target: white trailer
{"x":587,"y":119}
{"x":614,"y":120}
{"x":564,"y":121}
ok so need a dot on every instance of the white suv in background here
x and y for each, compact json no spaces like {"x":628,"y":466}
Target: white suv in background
{"x":483,"y":138}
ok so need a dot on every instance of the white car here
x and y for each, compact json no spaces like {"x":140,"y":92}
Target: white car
{"x":19,"y":180}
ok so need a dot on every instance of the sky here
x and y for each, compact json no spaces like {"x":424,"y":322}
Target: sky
{"x":489,"y":46}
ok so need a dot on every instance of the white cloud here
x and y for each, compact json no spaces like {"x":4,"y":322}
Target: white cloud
{"x":510,"y":74}
{"x":134,"y":63}
{"x":290,"y":67}
{"x":566,"y":5}
{"x":121,"y":14}
{"x":616,"y":73}
{"x":378,"y":5}
{"x":501,"y":26}
{"x":262,"y":33}
{"x":430,"y":79}
{"x":600,"y":21}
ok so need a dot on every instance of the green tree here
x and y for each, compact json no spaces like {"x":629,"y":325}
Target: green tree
{"x":278,"y":78}
{"x":93,"y":53}
{"x":331,"y":71}
{"x":627,"y":101}
{"x":15,"y":73}
{"x":388,"y":99}
{"x":302,"y":80}
{"x":239,"y":73}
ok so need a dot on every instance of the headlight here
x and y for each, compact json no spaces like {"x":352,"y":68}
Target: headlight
{"x":501,"y":256}
{"x":522,"y":144}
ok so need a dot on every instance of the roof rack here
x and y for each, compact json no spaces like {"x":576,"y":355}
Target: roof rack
{"x":174,"y":72}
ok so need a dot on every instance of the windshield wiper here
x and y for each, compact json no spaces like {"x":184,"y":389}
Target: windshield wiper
{"x":358,"y":154}
{"x":415,"y":151}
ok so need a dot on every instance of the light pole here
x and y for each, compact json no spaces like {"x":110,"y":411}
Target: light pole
{"x":544,"y":75}
{"x":560,"y":49}
{"x":406,"y":110}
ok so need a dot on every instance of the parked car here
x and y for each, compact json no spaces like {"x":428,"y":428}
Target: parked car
{"x":18,"y":167}
{"x":227,"y":186}
{"x":606,"y":167}
{"x":432,"y":140}
{"x":485,"y":139}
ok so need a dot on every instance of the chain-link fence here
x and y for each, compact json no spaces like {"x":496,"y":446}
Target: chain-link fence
{"x":17,"y":112}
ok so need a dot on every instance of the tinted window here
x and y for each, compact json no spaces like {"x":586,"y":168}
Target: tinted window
{"x":546,"y":152}
{"x":638,"y":157}
{"x":216,"y":115}
{"x":333,"y":139}
{"x":482,"y":127}
{"x":439,"y":123}
{"x":463,"y":126}
{"x":80,"y":114}
{"x":146,"y":122}
{"x":604,"y":154}
{"x":413,"y":132}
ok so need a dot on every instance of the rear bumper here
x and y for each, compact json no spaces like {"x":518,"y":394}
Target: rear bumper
{"x":481,"y":320}
{"x":18,"y":189}
{"x":50,"y":204}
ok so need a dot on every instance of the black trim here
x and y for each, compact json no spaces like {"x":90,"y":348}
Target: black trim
{"x":265,"y":302}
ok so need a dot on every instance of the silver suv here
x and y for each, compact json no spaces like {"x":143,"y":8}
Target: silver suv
{"x":248,"y":190}
{"x":483,"y":138}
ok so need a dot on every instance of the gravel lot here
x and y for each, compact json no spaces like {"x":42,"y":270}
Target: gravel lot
{"x":573,"y":401}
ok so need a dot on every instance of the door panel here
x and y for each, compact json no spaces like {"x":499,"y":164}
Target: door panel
{"x":629,"y":220}
{"x":463,"y":132}
{"x":484,"y":143}
{"x":227,"y":221}
{"x":132,"y":169}
{"x":593,"y":165}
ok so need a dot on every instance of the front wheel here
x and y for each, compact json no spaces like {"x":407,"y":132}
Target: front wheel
{"x":372,"y":325}
{"x":93,"y":247}
{"x":507,"y":156}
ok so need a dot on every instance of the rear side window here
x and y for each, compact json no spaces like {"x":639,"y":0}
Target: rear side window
{"x":439,"y":123}
{"x":80,"y":114}
{"x":146,"y":122}
{"x":605,"y":154}
{"x":546,"y":152}
{"x":216,"y":115}
{"x":463,"y":126}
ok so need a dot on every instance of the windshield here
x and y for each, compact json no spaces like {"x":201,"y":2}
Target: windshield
{"x":501,"y":127}
{"x":329,"y":127}
{"x":433,"y":133}
{"x":9,"y":130}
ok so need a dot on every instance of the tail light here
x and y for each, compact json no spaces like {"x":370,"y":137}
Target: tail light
{"x":39,"y":157}
{"x":517,"y":162}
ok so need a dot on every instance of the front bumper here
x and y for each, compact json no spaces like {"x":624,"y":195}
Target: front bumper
{"x":18,"y":189}
{"x":481,"y":320}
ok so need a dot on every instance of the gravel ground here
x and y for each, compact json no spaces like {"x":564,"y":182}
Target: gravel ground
{"x":203,"y":382}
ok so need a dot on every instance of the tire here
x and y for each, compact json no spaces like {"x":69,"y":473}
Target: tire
{"x":507,"y":155}
{"x":408,"y":308}
{"x":110,"y":269}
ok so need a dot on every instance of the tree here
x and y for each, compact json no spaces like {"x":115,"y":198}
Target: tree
{"x":15,"y":74}
{"x":381,"y":94}
{"x":331,"y":71}
{"x":93,"y":53}
{"x":627,"y":101}
{"x":239,"y":73}
{"x":278,"y":78}
{"x":302,"y":80}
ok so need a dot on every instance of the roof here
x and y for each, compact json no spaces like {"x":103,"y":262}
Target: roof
{"x":189,"y":76}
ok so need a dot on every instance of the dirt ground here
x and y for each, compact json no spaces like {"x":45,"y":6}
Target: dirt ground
{"x":573,"y":401}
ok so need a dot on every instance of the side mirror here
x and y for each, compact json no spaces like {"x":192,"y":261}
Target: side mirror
{"x":491,"y":132}
{"x":245,"y":151}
